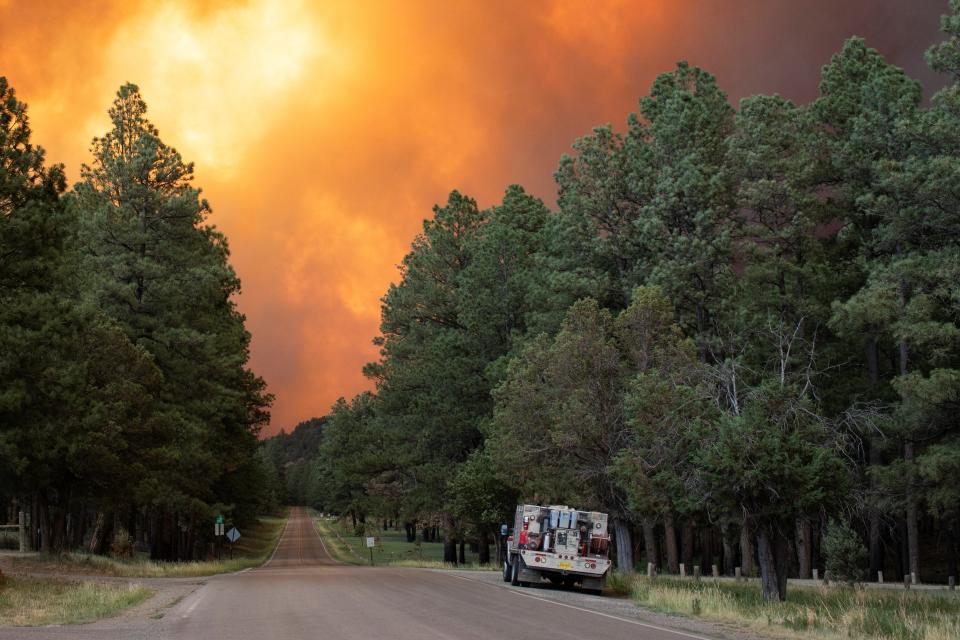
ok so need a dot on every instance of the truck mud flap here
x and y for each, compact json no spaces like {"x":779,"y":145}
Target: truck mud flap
{"x":528,"y":575}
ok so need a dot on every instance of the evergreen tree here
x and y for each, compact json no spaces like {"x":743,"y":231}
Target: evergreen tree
{"x":431,"y":389}
{"x":689,"y":223}
{"x":161,"y":273}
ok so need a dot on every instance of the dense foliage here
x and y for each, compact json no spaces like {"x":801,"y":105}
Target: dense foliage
{"x":738,"y":324}
{"x":126,"y":404}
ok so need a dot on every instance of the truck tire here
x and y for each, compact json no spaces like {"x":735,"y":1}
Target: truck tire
{"x":507,"y":569}
{"x":515,"y":571}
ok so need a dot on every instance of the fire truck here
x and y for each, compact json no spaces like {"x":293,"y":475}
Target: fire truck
{"x":563,"y":545}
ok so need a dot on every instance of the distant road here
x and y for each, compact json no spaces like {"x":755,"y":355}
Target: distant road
{"x":301,"y":593}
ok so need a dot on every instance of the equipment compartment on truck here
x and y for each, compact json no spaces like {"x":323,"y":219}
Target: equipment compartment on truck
{"x":564,"y":545}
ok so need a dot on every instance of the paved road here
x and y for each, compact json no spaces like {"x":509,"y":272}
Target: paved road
{"x":302,"y":593}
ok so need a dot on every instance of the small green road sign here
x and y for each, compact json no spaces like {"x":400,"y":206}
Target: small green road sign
{"x":219,"y":519}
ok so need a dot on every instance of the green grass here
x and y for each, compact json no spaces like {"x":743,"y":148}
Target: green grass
{"x":254,"y":547}
{"x":33,"y":602}
{"x":825,"y":612}
{"x":392,"y":549}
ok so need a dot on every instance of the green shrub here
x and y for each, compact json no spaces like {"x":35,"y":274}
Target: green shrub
{"x":845,"y":553}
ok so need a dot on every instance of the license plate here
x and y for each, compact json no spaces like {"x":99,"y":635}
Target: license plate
{"x":565,"y":565}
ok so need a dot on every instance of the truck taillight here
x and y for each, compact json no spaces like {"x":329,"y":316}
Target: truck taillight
{"x":526,"y":525}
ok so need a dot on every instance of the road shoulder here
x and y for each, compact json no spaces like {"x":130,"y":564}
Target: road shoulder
{"x":622,"y":608}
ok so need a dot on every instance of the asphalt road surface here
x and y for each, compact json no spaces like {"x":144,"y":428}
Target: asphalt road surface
{"x":302,"y":593}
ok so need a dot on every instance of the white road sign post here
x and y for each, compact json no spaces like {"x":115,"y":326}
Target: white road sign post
{"x":371,"y":542}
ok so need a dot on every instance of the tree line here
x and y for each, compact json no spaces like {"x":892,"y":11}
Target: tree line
{"x":128,"y":413}
{"x":739,"y":329}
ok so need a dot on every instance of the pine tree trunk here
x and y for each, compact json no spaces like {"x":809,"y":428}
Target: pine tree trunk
{"x":59,"y":531}
{"x":746,"y":550}
{"x":101,"y":533}
{"x":77,"y":528}
{"x":163,"y":545}
{"x":650,"y":542}
{"x":141,"y":539}
{"x":902,"y":561}
{"x":952,"y":542}
{"x":462,"y":556}
{"x":913,"y":537}
{"x":449,"y":541}
{"x":875,"y":461}
{"x":689,"y":533}
{"x":772,"y":556}
{"x":804,"y":547}
{"x":706,"y":550}
{"x":874,"y":532}
{"x":624,"y":542}
{"x":670,"y":539}
{"x":44,"y":522}
{"x":913,"y":544}
{"x":729,"y":542}
{"x":484,"y":551}
{"x":32,"y":539}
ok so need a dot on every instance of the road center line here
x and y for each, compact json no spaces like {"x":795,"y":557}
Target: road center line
{"x":597,"y":613}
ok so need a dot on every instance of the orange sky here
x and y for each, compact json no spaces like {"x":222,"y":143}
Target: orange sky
{"x":324,"y":133}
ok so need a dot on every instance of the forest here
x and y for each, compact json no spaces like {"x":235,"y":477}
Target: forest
{"x":128,"y":415}
{"x":738,"y":333}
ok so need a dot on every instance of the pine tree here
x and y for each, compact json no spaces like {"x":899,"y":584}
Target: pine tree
{"x":162,"y":274}
{"x":430,"y":382}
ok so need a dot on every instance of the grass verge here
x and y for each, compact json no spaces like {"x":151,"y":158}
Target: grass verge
{"x":828,"y":613}
{"x":392,"y":549}
{"x":254,"y":547}
{"x":32,"y":602}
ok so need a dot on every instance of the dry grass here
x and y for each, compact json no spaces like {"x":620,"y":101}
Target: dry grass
{"x":827,"y":613}
{"x":255,"y":546}
{"x":34,"y":602}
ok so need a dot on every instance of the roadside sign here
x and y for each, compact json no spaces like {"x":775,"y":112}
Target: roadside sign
{"x":218,"y":529}
{"x":233,"y":535}
{"x":371,"y":542}
{"x":220,"y":519}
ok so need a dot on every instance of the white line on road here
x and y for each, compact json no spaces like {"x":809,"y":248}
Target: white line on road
{"x":195,"y":603}
{"x":597,"y":613}
{"x":322,"y":544}
{"x":280,"y":539}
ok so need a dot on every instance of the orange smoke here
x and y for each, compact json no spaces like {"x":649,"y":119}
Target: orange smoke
{"x":324,"y":134}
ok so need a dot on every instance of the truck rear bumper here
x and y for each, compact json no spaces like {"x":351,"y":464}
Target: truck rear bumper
{"x":541,"y":562}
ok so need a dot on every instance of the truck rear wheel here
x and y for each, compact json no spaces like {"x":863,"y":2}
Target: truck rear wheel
{"x":515,"y":573}
{"x":507,"y":571}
